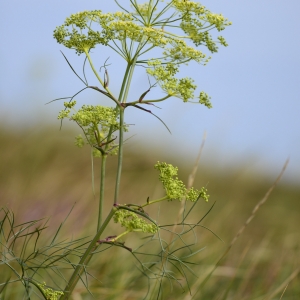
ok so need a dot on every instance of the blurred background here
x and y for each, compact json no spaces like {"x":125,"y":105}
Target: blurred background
{"x":251,"y":130}
{"x":254,"y":83}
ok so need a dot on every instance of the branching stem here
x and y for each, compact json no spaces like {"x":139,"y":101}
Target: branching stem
{"x":99,"y":78}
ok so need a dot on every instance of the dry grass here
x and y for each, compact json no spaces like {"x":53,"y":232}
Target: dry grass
{"x":43,"y":174}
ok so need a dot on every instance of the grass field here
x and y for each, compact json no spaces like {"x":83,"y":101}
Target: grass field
{"x":44,"y":175}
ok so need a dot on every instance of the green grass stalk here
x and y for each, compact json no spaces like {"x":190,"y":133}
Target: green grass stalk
{"x":254,"y":211}
{"x":120,"y":155}
{"x":101,"y":197}
{"x":124,"y":82}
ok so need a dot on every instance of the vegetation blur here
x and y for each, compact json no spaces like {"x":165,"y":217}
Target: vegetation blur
{"x":43,"y":176}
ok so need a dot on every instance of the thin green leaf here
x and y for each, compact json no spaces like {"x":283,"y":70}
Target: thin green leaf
{"x":73,"y":69}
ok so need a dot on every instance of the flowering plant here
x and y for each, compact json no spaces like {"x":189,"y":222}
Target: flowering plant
{"x":132,"y":34}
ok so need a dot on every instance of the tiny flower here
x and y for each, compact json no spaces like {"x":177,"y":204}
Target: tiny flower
{"x":132,"y":222}
{"x":175,"y":188}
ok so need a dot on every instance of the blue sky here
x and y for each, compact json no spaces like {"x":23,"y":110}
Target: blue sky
{"x":254,"y":83}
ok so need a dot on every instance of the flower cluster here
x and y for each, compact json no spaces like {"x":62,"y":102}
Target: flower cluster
{"x":205,"y":99}
{"x":97,"y":122}
{"x":50,"y":293}
{"x":197,"y":21}
{"x":181,"y":52}
{"x":222,"y":41}
{"x":175,"y":188}
{"x":77,"y":33}
{"x":132,"y":222}
{"x":81,"y":37}
{"x":183,"y":88}
{"x":89,"y":115}
{"x":83,"y":31}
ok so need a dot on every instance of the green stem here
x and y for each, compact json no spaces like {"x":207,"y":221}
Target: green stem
{"x":150,"y":101}
{"x":101,"y":197}
{"x":120,"y":155}
{"x":85,"y":258}
{"x":120,"y":235}
{"x":122,"y":98}
{"x":155,"y":201}
{"x":124,"y":82}
{"x":93,"y":68}
{"x":131,"y":71}
{"x":146,"y":50}
{"x":129,"y":81}
{"x":98,"y":77}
